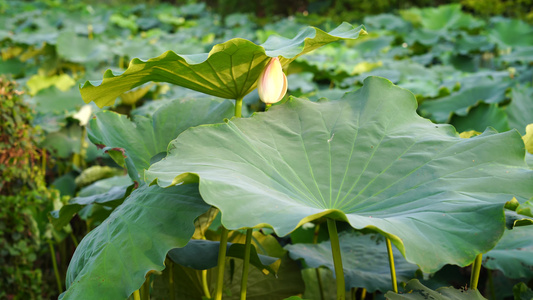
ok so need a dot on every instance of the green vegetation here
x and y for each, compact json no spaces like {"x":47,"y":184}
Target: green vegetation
{"x":26,"y":201}
{"x":403,"y":149}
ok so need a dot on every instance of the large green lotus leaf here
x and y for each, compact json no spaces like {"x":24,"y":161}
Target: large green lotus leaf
{"x":368,"y":159}
{"x":514,"y":253}
{"x":112,"y":260}
{"x":230,"y":70}
{"x":520,"y":110}
{"x":441,"y":110}
{"x":145,"y":137}
{"x":417,"y":291}
{"x":364,"y":260}
{"x":481,"y":117}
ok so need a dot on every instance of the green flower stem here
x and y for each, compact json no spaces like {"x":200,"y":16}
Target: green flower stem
{"x":238,"y":108}
{"x":224,"y":234}
{"x":476,"y":268}
{"x":136,"y":295}
{"x":90,"y":30}
{"x":337,"y":260}
{"x":320,"y":286}
{"x":491,"y":285}
{"x":246,"y":264}
{"x":83,"y":147}
{"x":221,"y":263}
{"x":363,"y":293}
{"x":171,"y":290}
{"x":43,"y":166}
{"x":74,"y":239}
{"x":391,"y":265}
{"x":145,"y":289}
{"x":204,"y":284}
{"x":267,"y":106}
{"x":56,"y":270}
{"x":62,"y":249}
{"x":317,"y":270}
{"x":121,"y":62}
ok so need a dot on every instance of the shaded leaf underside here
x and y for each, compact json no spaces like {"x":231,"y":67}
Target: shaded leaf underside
{"x":514,"y":253}
{"x":364,"y":260}
{"x":112,"y":260}
{"x":230,"y":70}
{"x":415,"y":290}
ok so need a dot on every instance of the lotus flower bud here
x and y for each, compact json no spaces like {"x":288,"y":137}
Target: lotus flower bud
{"x":272,"y":84}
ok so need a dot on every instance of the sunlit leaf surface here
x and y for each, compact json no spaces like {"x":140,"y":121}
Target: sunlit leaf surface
{"x":368,"y":159}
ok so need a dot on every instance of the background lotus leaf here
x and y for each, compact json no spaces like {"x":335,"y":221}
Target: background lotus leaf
{"x":364,"y":260}
{"x":145,"y":137}
{"x":514,"y":253}
{"x":522,"y":292}
{"x":416,"y":291}
{"x":441,"y":110}
{"x":442,"y":18}
{"x":481,"y":117}
{"x":260,"y":286}
{"x":511,"y":33}
{"x":203,"y":255}
{"x":368,"y":159}
{"x":109,"y":192}
{"x":520,"y":108}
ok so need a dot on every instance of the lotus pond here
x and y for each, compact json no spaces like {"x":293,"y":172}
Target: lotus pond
{"x":384,"y":158}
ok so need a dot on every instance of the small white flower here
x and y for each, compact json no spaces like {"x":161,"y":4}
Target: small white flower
{"x":84,"y":114}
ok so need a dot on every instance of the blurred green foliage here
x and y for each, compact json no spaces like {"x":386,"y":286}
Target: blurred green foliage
{"x":336,"y":10}
{"x":24,"y":198}
{"x":18,"y":152}
{"x":522,"y":9}
{"x":349,"y":10}
{"x":20,"y":246}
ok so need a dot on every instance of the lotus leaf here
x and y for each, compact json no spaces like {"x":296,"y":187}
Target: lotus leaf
{"x":368,"y":159}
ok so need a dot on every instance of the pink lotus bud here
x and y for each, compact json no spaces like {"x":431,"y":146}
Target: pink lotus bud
{"x":272,"y":84}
